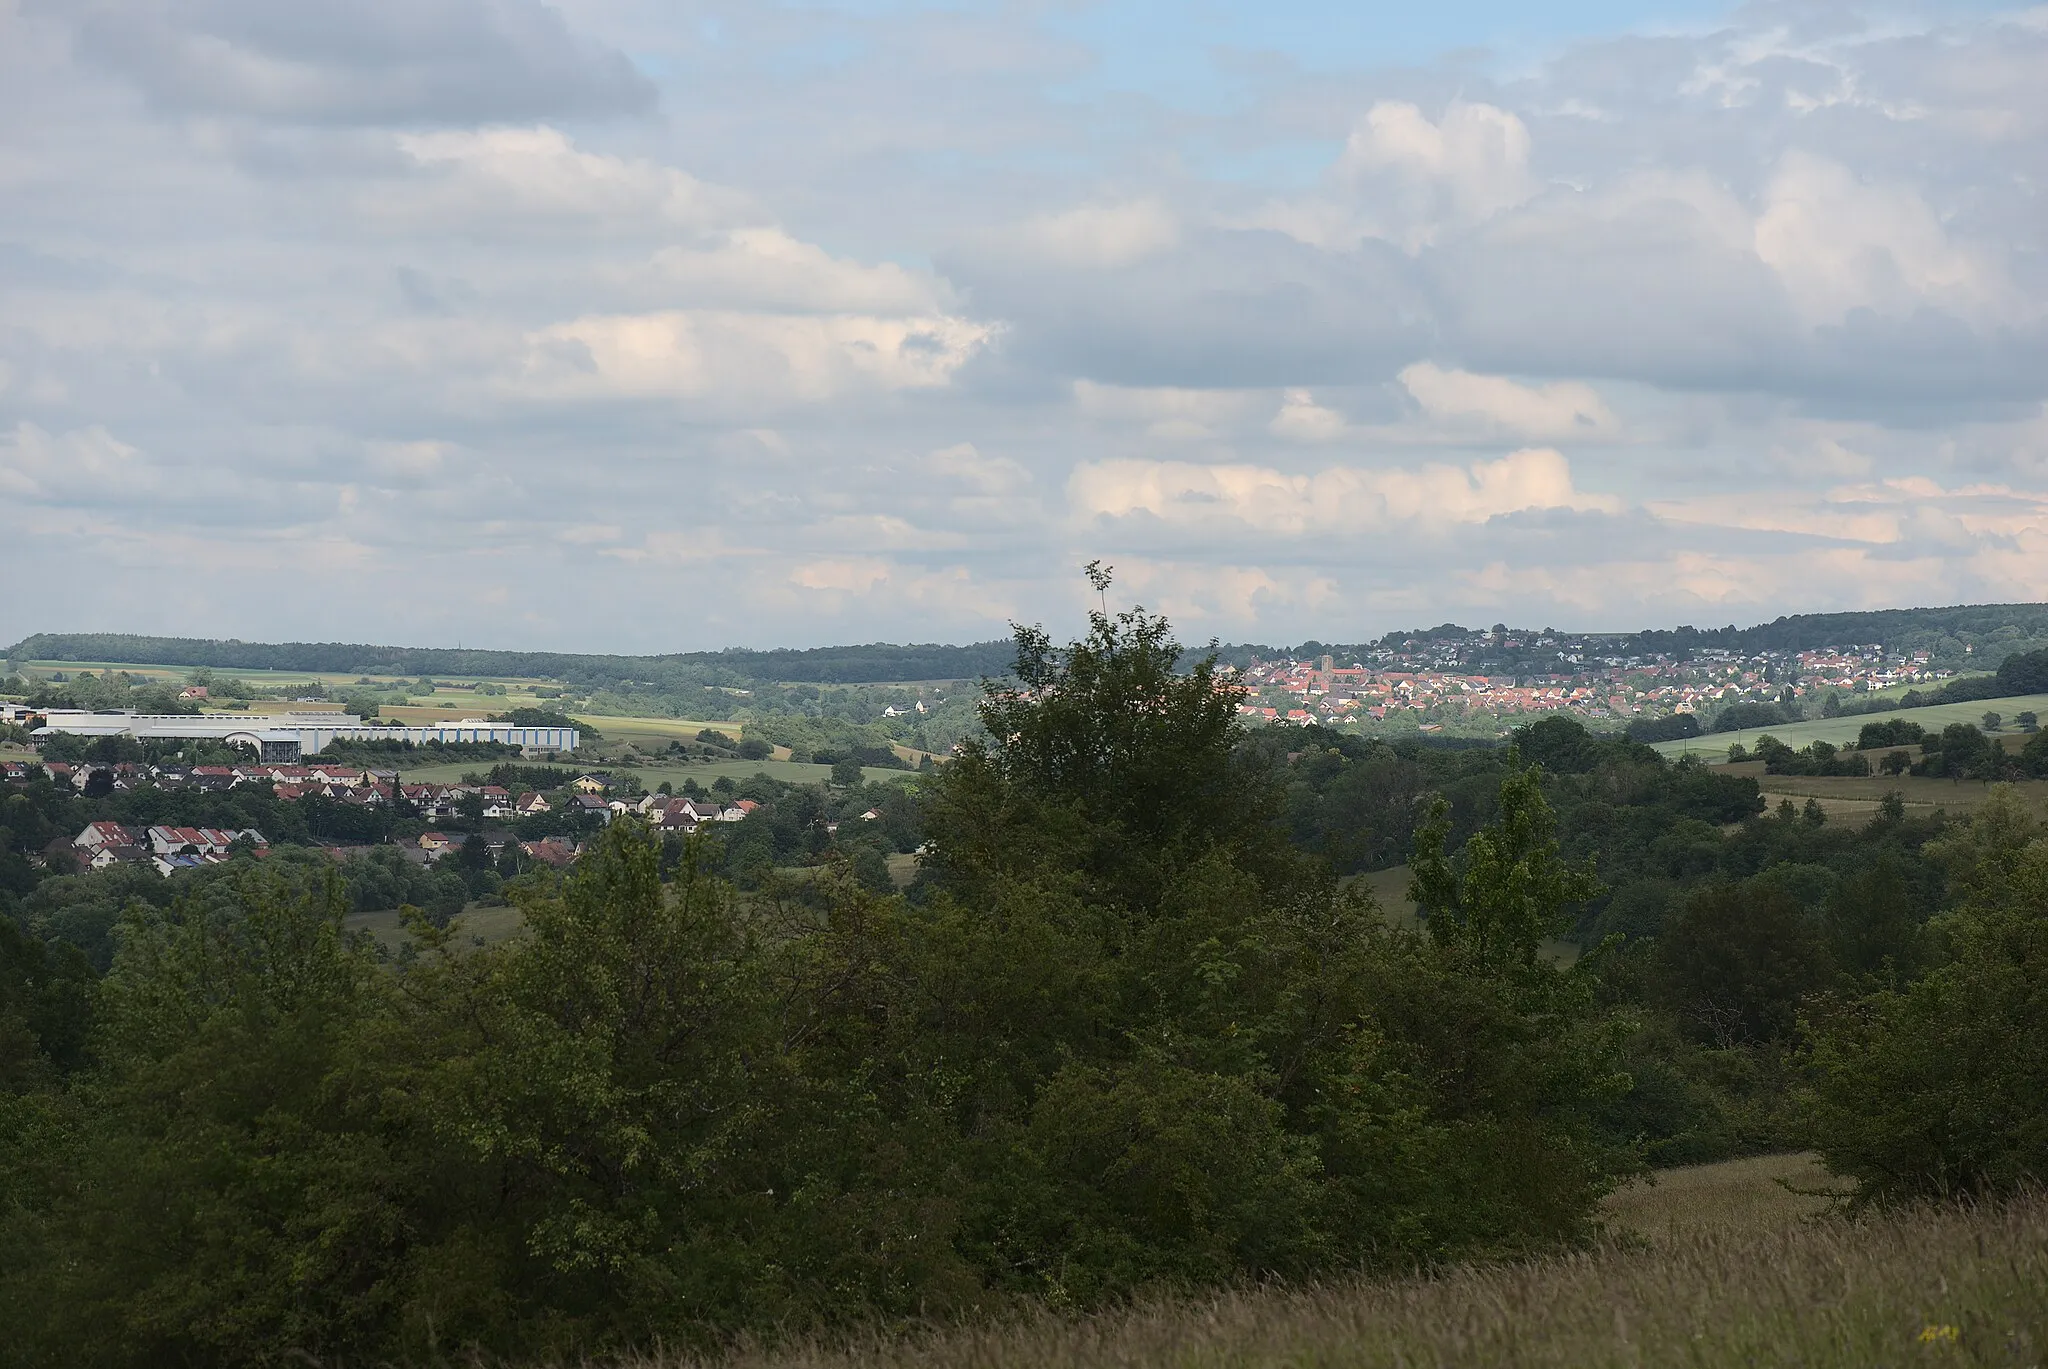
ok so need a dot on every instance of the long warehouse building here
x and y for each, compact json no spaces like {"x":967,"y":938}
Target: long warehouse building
{"x":288,"y":736}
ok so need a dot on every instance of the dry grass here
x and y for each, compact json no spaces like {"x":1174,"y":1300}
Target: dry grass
{"x":1761,"y":1193}
{"x":1729,"y":1275}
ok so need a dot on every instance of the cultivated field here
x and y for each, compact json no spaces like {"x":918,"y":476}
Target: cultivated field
{"x":1856,"y":797}
{"x":1843,"y":731}
{"x":487,"y":925}
{"x":1717,"y":1266}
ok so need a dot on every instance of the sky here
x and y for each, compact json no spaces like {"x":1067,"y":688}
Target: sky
{"x":655,"y":325}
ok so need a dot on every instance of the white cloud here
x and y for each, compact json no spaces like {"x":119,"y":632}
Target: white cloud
{"x":766,"y":268}
{"x":993,"y":476}
{"x":948,"y":593}
{"x":1095,"y":236}
{"x":1165,"y":412}
{"x":82,"y":466}
{"x":1477,"y":155}
{"x":744,"y":358}
{"x":1301,"y":419}
{"x":1407,"y":180}
{"x":1334,"y":500}
{"x":1840,"y":244}
{"x":1206,"y":595}
{"x":846,"y":575}
{"x":1561,"y":409}
{"x":536,"y":175}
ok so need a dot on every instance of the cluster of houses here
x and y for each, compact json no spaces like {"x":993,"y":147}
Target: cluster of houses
{"x":340,"y":783}
{"x":168,"y":849}
{"x":664,"y":813}
{"x":1304,"y":691}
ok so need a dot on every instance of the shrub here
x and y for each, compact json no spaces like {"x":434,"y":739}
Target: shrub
{"x":1940,"y":1086}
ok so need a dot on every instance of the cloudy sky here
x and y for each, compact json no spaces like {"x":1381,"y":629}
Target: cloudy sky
{"x":656,"y":324}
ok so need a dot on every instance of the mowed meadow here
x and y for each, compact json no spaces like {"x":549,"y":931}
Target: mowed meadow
{"x":1746,"y":1262}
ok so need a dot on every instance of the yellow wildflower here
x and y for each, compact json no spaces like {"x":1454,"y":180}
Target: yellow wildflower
{"x":1942,"y":1334}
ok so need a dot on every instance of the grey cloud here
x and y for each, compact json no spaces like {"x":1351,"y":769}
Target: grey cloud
{"x":1226,"y":308}
{"x":400,"y":62}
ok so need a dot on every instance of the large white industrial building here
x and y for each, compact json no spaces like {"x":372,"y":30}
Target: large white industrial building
{"x":288,"y":736}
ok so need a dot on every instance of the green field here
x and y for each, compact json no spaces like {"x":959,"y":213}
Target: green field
{"x":490,"y":925}
{"x":1843,"y":731}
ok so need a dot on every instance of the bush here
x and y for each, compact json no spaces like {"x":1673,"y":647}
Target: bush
{"x":1677,"y":727}
{"x":755,"y":749}
{"x":1940,"y":1086}
{"x":1890,"y":732}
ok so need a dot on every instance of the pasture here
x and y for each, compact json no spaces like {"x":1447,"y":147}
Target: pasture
{"x":1843,"y":731}
{"x":478,"y":925}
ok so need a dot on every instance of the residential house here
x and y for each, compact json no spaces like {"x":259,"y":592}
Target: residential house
{"x":552,"y":851}
{"x":99,"y":834}
{"x":529,"y":804}
{"x":591,"y":784}
{"x":434,"y":843}
{"x":497,"y":801}
{"x":199,"y":840}
{"x":213,"y":779}
{"x":590,"y":805}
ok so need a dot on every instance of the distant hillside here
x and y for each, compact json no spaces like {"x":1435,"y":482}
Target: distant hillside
{"x":1893,"y":628}
{"x":1991,"y":630}
{"x":879,"y":661}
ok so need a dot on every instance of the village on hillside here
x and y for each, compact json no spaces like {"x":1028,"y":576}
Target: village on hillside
{"x":1432,"y":688}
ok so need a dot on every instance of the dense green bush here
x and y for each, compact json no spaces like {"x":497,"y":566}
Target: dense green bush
{"x":1939,"y":1085}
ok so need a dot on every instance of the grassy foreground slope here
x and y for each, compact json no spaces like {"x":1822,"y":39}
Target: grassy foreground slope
{"x":1711,"y":1266}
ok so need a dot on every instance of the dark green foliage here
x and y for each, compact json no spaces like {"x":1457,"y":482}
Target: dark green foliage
{"x":1563,"y":746}
{"x":1939,"y":1085}
{"x":1960,"y":752}
{"x":1817,"y":758}
{"x":548,"y":717}
{"x":1676,"y":727}
{"x":1736,"y":960}
{"x":2024,"y":674}
{"x":1890,"y":732}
